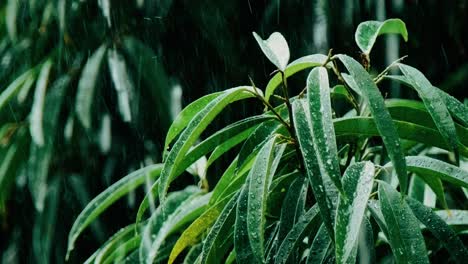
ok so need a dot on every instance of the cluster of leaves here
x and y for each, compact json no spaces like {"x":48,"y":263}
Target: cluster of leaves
{"x":310,"y":183}
{"x":59,"y":80}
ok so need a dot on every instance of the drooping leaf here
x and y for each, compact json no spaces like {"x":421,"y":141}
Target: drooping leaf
{"x":122,"y":83}
{"x":434,"y":104}
{"x":212,"y":244}
{"x":37,"y":110}
{"x":439,"y":229}
{"x":260,"y":178}
{"x":15,"y":87}
{"x":365,"y":248}
{"x":357,"y":184}
{"x":404,"y":235}
{"x":105,"y":6}
{"x":294,"y":67}
{"x":382,"y":118}
{"x":320,"y":247}
{"x":87,"y":85}
{"x":324,"y":190}
{"x":244,"y":252}
{"x":275,"y":48}
{"x":193,"y":233}
{"x":318,"y":94}
{"x":307,"y":222}
{"x":367,"y":32}
{"x":11,"y":15}
{"x":193,"y":131}
{"x":107,"y":198}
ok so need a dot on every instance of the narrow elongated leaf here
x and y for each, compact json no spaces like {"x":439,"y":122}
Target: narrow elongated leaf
{"x":309,"y":221}
{"x":220,"y":230}
{"x":404,"y":234}
{"x":244,"y":253}
{"x":367,"y":32}
{"x":440,"y":230}
{"x":376,"y":212}
{"x":37,"y":110}
{"x":260,"y":178}
{"x":320,"y":247}
{"x":149,"y":199}
{"x":14,"y":87}
{"x":275,"y":48}
{"x":193,"y":131}
{"x":86,"y":86}
{"x":318,"y":94}
{"x":186,"y":115}
{"x":294,"y":67}
{"x":352,"y":127}
{"x":456,"y":108}
{"x":357,"y":184}
{"x":365,"y":248}
{"x":25,"y":88}
{"x":293,"y":206}
{"x":158,"y":229}
{"x":11,"y":14}
{"x":122,"y":83}
{"x":106,"y":10}
{"x":434,"y":104}
{"x":193,"y":233}
{"x":429,"y":167}
{"x":324,"y":190}
{"x":382,"y":118}
{"x":107,"y":198}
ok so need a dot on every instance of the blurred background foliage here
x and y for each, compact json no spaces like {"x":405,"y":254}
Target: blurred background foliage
{"x":89,"y":88}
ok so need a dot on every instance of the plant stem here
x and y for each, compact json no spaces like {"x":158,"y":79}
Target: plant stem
{"x":381,"y":75}
{"x":350,"y":94}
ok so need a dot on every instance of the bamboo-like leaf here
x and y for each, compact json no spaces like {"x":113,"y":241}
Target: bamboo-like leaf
{"x":440,"y":230}
{"x":357,"y":184}
{"x":11,"y":15}
{"x":260,"y":178}
{"x":350,"y":128}
{"x":382,"y":118}
{"x":376,"y":211}
{"x":307,"y":222}
{"x":324,"y":190}
{"x":25,"y":88}
{"x":275,"y":48}
{"x":428,"y":167}
{"x":365,"y":248}
{"x":244,"y":252}
{"x":15,"y":87}
{"x":367,"y":32}
{"x":320,"y":247}
{"x":194,"y":254}
{"x":122,"y":83}
{"x":293,"y":206}
{"x":294,"y":67}
{"x":149,"y":199}
{"x":434,"y":104}
{"x":456,"y":108}
{"x":87,"y":85}
{"x":107,"y":198}
{"x":220,"y":230}
{"x":162,"y":224}
{"x":186,"y":115}
{"x":196,"y":126}
{"x":193,"y":233}
{"x":318,"y":94}
{"x":35,"y":127}
{"x":404,"y":234}
{"x":106,"y":10}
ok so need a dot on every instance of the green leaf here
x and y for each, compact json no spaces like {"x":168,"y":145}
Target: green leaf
{"x":294,"y":67}
{"x":366,"y":245}
{"x":193,"y":256}
{"x":293,"y":206}
{"x":404,"y":234}
{"x":307,"y":222}
{"x":376,"y":212}
{"x":320,"y":247}
{"x":122,"y":83}
{"x":367,"y":32}
{"x":193,"y":233}
{"x":35,"y":127}
{"x":357,"y":184}
{"x":427,"y":167}
{"x":318,"y":94}
{"x":440,"y":230}
{"x":434,"y":104}
{"x":11,"y":13}
{"x":15,"y":87}
{"x":260,"y":178}
{"x":244,"y":252}
{"x":382,"y":118}
{"x":275,"y":48}
{"x":87,"y":85}
{"x":349,"y":128}
{"x":107,"y":198}
{"x":163,"y":223}
{"x":324,"y":190}
{"x":211,"y":252}
{"x":149,"y":199}
{"x":196,"y":126}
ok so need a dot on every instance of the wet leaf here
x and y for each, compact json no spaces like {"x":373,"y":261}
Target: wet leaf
{"x":122,"y":83}
{"x":367,"y":32}
{"x":37,"y":110}
{"x":275,"y":48}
